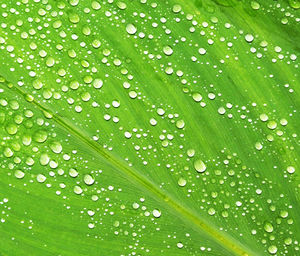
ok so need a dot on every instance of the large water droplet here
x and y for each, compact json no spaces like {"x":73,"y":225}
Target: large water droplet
{"x":131,"y":29}
{"x":40,"y":136}
{"x":88,"y":179}
{"x":168,"y":50}
{"x":199,"y":166}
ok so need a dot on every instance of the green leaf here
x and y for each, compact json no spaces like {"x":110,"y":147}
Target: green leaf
{"x":149,"y":128}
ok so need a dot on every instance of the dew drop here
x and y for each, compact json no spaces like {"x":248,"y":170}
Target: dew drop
{"x":263,"y":117}
{"x":288,"y":241}
{"x":131,"y":29}
{"x":44,"y":159}
{"x":168,"y":50}
{"x":255,"y":5}
{"x":202,"y":51}
{"x":88,"y":179}
{"x":153,"y":122}
{"x":74,"y":18}
{"x":191,"y":152}
{"x":197,"y":97}
{"x":258,"y":146}
{"x":249,"y":38}
{"x":211,"y":211}
{"x":160,"y":111}
{"x":272,"y":249}
{"x":121,"y":5}
{"x":290,"y":169}
{"x":8,"y":152}
{"x":56,"y":147}
{"x":268,"y":227}
{"x":199,"y":166}
{"x":179,"y":245}
{"x":77,"y":190}
{"x":73,"y":172}
{"x":156,"y":213}
{"x":98,"y":83}
{"x":40,"y":178}
{"x":221,"y":110}
{"x":176,"y":8}
{"x":272,"y":125}
{"x":180,"y":124}
{"x":40,"y":136}
{"x":19,"y":174}
{"x":11,"y":129}
{"x":181,"y":182}
{"x":284,"y":214}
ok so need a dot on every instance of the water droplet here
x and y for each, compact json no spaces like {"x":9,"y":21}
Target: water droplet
{"x":90,"y":225}
{"x":176,"y":8}
{"x":272,"y":249}
{"x":135,"y":206}
{"x":221,"y":110}
{"x":294,"y":4}
{"x":160,"y":111}
{"x":255,"y":5}
{"x":8,"y":152}
{"x":88,"y":179}
{"x":77,"y":190}
{"x":199,"y":166}
{"x":168,"y":50}
{"x":156,"y":213}
{"x":121,"y":5}
{"x":153,"y":122}
{"x":73,"y":172}
{"x":291,"y":169}
{"x":96,"y":5}
{"x":98,"y":83}
{"x":11,"y":129}
{"x":211,"y":211}
{"x":56,"y":147}
{"x":272,"y":125}
{"x":50,"y":62}
{"x":40,"y":178}
{"x":19,"y":174}
{"x":263,"y":117}
{"x":191,"y":152}
{"x":202,"y":51}
{"x":181,"y":182}
{"x":180,"y":124}
{"x":44,"y":159}
{"x":283,"y":122}
{"x":268,"y":227}
{"x":40,"y":136}
{"x":249,"y":38}
{"x":74,"y":85}
{"x":197,"y":96}
{"x":179,"y":245}
{"x":74,"y":18}
{"x":258,"y":146}
{"x":288,"y":241}
{"x":284,"y":214}
{"x":131,"y":29}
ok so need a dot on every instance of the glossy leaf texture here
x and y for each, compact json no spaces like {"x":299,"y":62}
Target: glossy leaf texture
{"x":143,"y":127}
